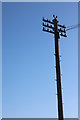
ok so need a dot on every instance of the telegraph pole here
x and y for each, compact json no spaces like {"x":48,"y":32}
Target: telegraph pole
{"x":58,"y":30}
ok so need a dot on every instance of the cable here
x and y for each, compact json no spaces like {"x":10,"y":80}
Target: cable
{"x":73,"y":27}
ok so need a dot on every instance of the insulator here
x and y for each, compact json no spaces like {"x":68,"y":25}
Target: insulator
{"x":43,"y":23}
{"x":54,"y":16}
{"x":51,"y":31}
{"x":47,"y":20}
{"x":53,"y":20}
{"x":64,"y":26}
{"x":47,"y":29}
{"x":43,"y":18}
{"x":65,"y":35}
{"x":47,"y":24}
{"x":50,"y":25}
{"x":60,"y":30}
{"x":53,"y":28}
{"x":64,"y":31}
{"x":61,"y":34}
{"x":43,"y":28}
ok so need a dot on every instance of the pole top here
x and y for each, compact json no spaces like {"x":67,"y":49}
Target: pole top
{"x":55,"y":19}
{"x":54,"y":16}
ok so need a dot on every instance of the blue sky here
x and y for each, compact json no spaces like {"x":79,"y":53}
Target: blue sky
{"x":28,"y":73}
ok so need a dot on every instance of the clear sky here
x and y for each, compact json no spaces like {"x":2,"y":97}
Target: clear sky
{"x":28,"y":72}
{"x":0,"y":60}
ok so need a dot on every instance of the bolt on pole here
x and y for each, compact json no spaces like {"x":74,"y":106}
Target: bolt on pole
{"x":52,"y":27}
